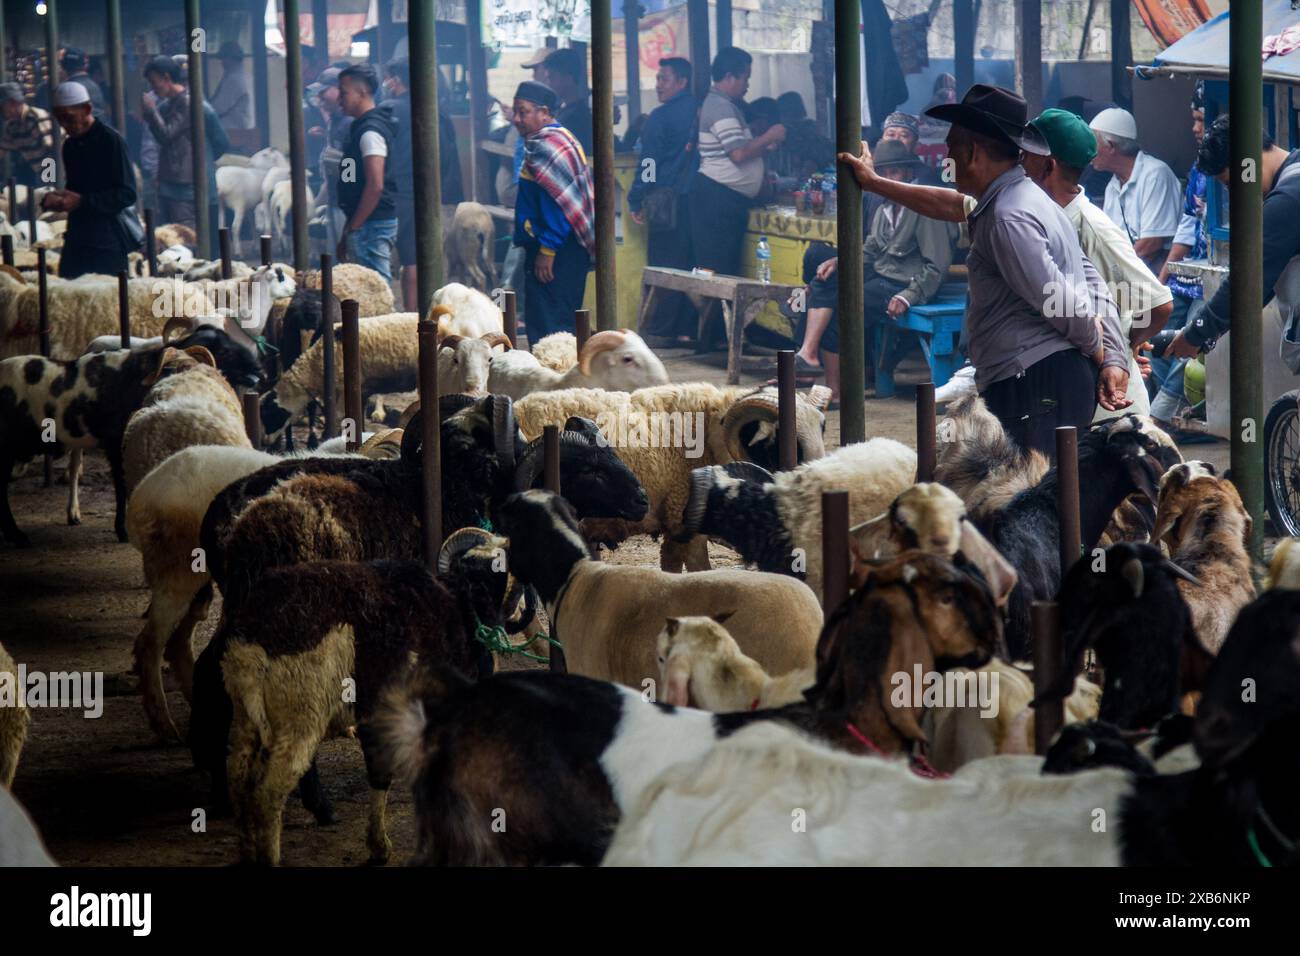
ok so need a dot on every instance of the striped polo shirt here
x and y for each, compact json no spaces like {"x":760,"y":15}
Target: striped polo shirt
{"x":31,"y":136}
{"x":723,"y":130}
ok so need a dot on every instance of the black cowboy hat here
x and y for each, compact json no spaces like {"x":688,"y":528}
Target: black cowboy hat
{"x":995,"y":112}
{"x":891,"y":152}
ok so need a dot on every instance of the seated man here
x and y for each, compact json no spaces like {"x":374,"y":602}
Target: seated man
{"x":905,"y":259}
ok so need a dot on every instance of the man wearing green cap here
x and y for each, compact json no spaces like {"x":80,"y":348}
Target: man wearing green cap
{"x":1144,"y":303}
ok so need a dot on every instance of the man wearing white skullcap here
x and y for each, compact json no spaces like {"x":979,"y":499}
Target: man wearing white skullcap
{"x":1143,"y":197}
{"x":100,"y":189}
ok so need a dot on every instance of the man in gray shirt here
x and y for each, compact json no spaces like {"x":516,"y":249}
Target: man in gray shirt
{"x":1040,"y":322}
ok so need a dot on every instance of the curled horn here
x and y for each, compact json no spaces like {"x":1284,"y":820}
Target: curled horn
{"x":493,"y":339}
{"x":748,"y":471}
{"x":457,"y":543}
{"x":600,"y":342}
{"x":13,"y":273}
{"x":201,"y":355}
{"x":404,"y":421}
{"x":450,"y":341}
{"x":1182,"y":572}
{"x":757,"y":407}
{"x":383,"y":445}
{"x":504,"y":430}
{"x":1134,"y":574}
{"x":165,"y":355}
{"x":529,"y":613}
{"x":181,"y":325}
{"x":529,"y":466}
{"x":703,"y":481}
{"x":413,"y":434}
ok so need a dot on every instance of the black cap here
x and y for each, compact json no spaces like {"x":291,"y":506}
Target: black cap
{"x":73,"y":59}
{"x":538,"y":93}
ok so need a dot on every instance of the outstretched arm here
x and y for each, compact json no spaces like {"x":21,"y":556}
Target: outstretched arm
{"x":933,"y":202}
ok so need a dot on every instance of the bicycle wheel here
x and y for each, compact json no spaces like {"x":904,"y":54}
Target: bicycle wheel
{"x":1282,"y":444}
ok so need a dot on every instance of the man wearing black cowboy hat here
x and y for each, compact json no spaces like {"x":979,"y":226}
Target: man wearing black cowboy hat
{"x":1041,"y":329}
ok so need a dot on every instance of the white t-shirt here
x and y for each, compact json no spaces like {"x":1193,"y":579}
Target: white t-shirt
{"x":373,"y":144}
{"x":1149,"y":204}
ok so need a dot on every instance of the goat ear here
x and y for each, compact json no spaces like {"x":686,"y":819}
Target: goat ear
{"x":1139,"y":471}
{"x":909,"y":645}
{"x":671,"y":625}
{"x":722,"y":616}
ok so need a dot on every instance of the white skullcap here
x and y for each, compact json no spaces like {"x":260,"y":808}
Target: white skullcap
{"x":1116,"y":122}
{"x":70,"y":94}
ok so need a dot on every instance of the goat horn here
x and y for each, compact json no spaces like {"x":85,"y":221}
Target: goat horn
{"x":13,"y":273}
{"x":529,"y":466}
{"x":201,"y":355}
{"x":1134,"y":575}
{"x":383,"y":445}
{"x":405,"y":420}
{"x":493,"y":339}
{"x":184,"y":326}
{"x":600,"y":342}
{"x":748,"y":471}
{"x":758,"y":407}
{"x":450,"y":341}
{"x":165,"y":355}
{"x":504,"y":429}
{"x":1182,"y":572}
{"x":457,"y":543}
{"x":703,"y":481}
{"x":437,"y":311}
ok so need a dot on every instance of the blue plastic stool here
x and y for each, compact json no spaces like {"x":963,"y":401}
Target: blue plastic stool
{"x":937,"y":325}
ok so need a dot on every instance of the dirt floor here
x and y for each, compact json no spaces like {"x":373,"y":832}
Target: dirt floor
{"x":102,"y":791}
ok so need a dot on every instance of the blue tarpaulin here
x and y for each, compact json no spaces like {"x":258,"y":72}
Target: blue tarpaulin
{"x":1204,"y":51}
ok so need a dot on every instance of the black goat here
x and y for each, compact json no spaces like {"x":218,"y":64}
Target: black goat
{"x":1116,"y":459}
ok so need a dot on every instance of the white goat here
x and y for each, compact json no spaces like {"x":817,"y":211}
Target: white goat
{"x":617,"y":360}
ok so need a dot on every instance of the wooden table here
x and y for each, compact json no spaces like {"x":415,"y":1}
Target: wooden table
{"x":736,"y":293}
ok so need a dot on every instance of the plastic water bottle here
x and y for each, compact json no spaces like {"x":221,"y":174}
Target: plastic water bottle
{"x":764,"y":255}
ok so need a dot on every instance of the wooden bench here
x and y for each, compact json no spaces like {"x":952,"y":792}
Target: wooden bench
{"x":737,"y":295}
{"x":938,"y":326}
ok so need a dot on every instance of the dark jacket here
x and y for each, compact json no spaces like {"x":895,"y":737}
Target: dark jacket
{"x":399,"y":110}
{"x":576,"y":118}
{"x":668,"y":131}
{"x":99,"y":170}
{"x":170,"y":124}
{"x":352,"y":186}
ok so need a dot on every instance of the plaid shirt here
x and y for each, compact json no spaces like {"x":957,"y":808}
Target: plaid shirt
{"x":31,"y":136}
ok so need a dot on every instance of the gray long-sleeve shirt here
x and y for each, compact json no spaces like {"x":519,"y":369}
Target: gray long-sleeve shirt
{"x":1032,"y":290}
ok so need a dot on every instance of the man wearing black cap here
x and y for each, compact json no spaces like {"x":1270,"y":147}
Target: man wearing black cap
{"x":1041,"y":329}
{"x":554,"y":213}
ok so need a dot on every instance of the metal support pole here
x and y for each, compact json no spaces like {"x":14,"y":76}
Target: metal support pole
{"x":31,"y":216}
{"x":430,"y":446}
{"x":722,"y":26}
{"x":787,"y":438}
{"x":352,"y":411}
{"x":423,"y":45}
{"x":265,"y":242}
{"x":1121,"y":54}
{"x":52,"y":57}
{"x":551,"y":458}
{"x":509,"y":318}
{"x":320,"y":39}
{"x":697,"y":25}
{"x":582,"y":327}
{"x":250,"y":401}
{"x":835,"y":549}
{"x":223,"y":241}
{"x":124,"y":307}
{"x":297,"y":139}
{"x":926,"y":449}
{"x":12,"y":186}
{"x":1067,"y":496}
{"x":1246,"y":263}
{"x":632,"y":44}
{"x":848,"y":127}
{"x":384,"y":31}
{"x":1049,"y":657}
{"x":7,"y":249}
{"x":43,"y":329}
{"x":261,"y":82}
{"x":602,"y":105}
{"x":327,"y":312}
{"x":116,"y":70}
{"x":479,"y":163}
{"x":198,"y":130}
{"x":1029,"y":53}
{"x":963,"y":32}
{"x":150,"y":243}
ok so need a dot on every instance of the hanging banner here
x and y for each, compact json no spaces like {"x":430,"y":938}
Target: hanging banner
{"x":1171,"y":20}
{"x":662,"y":35}
{"x":530,"y":22}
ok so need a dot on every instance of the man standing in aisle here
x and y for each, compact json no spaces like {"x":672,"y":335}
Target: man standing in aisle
{"x":554,"y":213}
{"x":366,"y":185}
{"x":27,"y":132}
{"x":1044,"y":335}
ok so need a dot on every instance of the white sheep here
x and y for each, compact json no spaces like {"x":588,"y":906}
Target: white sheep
{"x":615,"y":360}
{"x":662,"y":433}
{"x":353,"y":281}
{"x":732,"y":807}
{"x":468,"y":242}
{"x":465,"y":365}
{"x":467,"y":312}
{"x":14,"y":719}
{"x":557,"y":351}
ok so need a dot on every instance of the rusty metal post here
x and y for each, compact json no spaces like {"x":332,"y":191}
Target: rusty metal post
{"x":582,"y":327}
{"x":848,"y":221}
{"x":266,"y":249}
{"x":150,"y":243}
{"x":327,"y":344}
{"x":430,"y":446}
{"x":926,"y":450}
{"x":1049,"y":717}
{"x":12,"y":186}
{"x":602,"y":162}
{"x":1067,"y":495}
{"x":44,"y":330}
{"x":351,"y":309}
{"x":7,"y":249}
{"x":252,"y":406}
{"x":31,"y":215}
{"x":198,"y":129}
{"x":835,"y":549}
{"x":297,"y":136}
{"x":509,"y":318}
{"x":223,"y":241}
{"x":551,"y":458}
{"x":787,"y":435}
{"x":124,"y":307}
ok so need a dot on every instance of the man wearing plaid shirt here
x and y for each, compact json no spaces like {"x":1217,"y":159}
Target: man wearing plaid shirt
{"x":27,"y":132}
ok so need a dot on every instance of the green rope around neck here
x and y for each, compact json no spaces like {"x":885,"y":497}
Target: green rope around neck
{"x":496,"y":640}
{"x":485,"y":523}
{"x":264,"y":346}
{"x":1254,"y":848}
